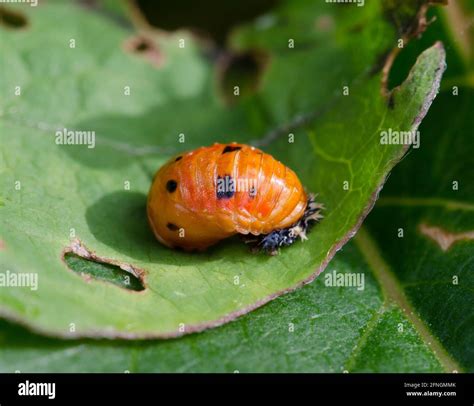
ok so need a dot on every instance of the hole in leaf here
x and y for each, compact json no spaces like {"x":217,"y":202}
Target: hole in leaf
{"x":103,"y":271}
{"x":410,"y":22}
{"x":142,"y":46}
{"x":145,"y":48}
{"x":240,"y":74}
{"x":12,"y":19}
{"x":216,"y":18}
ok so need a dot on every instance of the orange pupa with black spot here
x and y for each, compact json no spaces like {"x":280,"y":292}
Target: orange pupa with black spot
{"x":206,"y":195}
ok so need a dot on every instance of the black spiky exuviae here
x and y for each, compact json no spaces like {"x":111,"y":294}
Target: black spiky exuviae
{"x":270,"y":243}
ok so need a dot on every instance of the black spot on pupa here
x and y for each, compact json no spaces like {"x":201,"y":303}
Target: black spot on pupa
{"x":172,"y":227}
{"x":230,"y":148}
{"x":178,"y":158}
{"x":252,"y":192}
{"x":225,"y":187}
{"x":171,"y":185}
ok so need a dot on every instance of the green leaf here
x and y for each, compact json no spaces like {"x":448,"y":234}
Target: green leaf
{"x":421,"y":200}
{"x":315,"y":329}
{"x":60,"y":198}
{"x":432,"y":206}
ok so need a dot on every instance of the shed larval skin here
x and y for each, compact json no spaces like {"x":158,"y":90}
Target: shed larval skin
{"x":188,"y":210}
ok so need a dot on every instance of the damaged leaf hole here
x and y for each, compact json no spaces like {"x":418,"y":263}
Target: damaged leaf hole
{"x":240,"y":74}
{"x":89,"y":267}
{"x":145,"y":48}
{"x":12,"y":19}
{"x":195,"y":16}
{"x":395,"y":63}
{"x":142,"y":45}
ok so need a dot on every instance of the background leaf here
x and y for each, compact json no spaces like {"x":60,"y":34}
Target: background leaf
{"x":316,"y":328}
{"x":433,"y":189}
{"x":78,"y":193}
